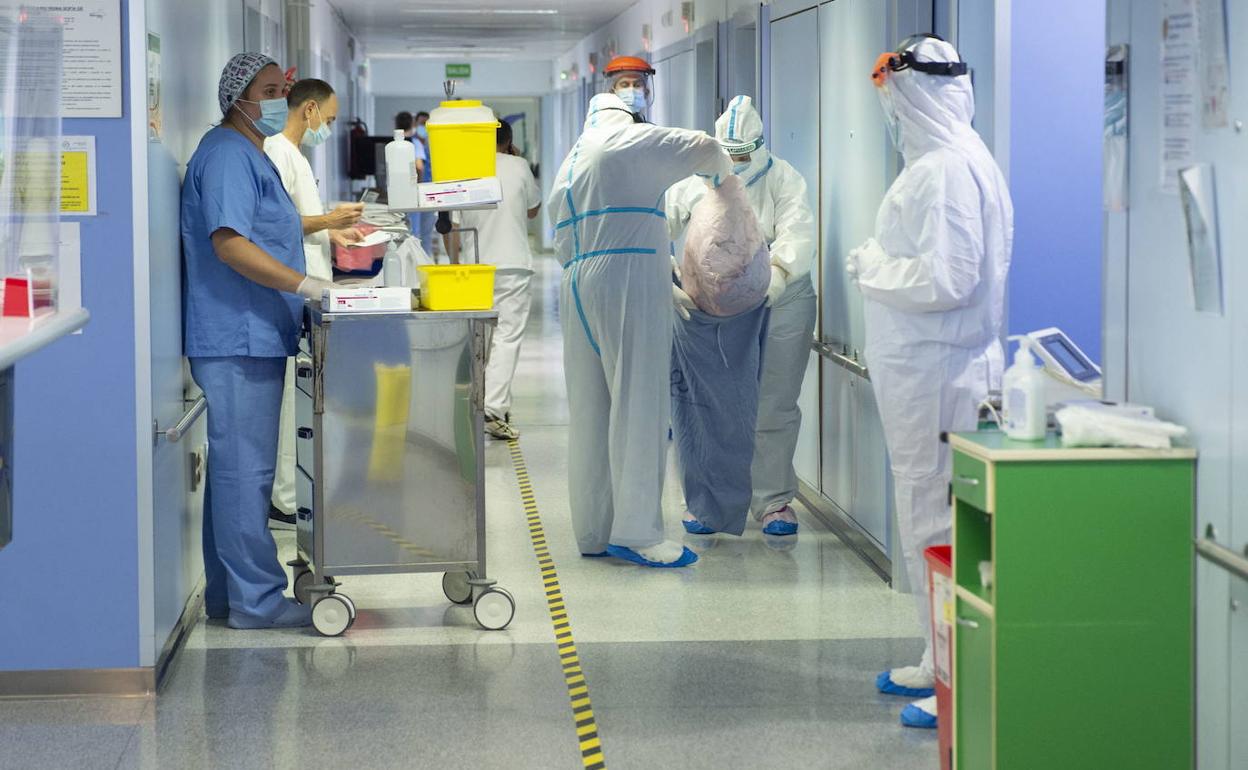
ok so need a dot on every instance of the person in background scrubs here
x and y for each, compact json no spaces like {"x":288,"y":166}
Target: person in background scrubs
{"x":313,"y":112}
{"x":933,"y":280}
{"x":407,"y":124}
{"x":243,"y":292}
{"x":420,"y":130}
{"x":503,"y":240}
{"x":616,"y":309}
{"x":777,"y":193}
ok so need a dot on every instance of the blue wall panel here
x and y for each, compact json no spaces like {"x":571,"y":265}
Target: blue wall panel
{"x":70,"y":578}
{"x":1057,"y":55}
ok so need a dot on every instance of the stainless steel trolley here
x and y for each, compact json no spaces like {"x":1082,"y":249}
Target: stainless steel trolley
{"x":390,"y":447}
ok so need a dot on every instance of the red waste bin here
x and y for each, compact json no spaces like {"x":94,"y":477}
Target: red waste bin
{"x":940,"y":595}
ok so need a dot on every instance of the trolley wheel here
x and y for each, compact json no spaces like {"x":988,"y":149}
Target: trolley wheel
{"x":494,"y":609}
{"x":350,"y":606}
{"x":456,"y":587}
{"x":303,"y":581}
{"x":331,"y":615}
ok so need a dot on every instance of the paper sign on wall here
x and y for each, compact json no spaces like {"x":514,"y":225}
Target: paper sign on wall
{"x":78,"y":175}
{"x":154,"y":127}
{"x":1179,"y":87}
{"x":91,"y":63}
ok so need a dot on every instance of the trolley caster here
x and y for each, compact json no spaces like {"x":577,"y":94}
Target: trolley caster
{"x":332,"y":614}
{"x":494,"y":609}
{"x":350,"y":605}
{"x":302,"y":584}
{"x":456,"y":587}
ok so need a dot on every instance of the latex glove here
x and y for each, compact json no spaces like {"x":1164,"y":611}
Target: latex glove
{"x":712,"y":181}
{"x":676,"y":269}
{"x":684,"y":303}
{"x":312,"y":288}
{"x":779,"y":282}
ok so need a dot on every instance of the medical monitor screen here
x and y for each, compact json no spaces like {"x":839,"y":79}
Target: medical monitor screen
{"x":1069,"y":359}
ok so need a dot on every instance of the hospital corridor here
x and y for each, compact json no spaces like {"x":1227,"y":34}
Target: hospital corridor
{"x":845,"y":384}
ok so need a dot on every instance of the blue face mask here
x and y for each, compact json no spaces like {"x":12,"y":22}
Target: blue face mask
{"x":320,"y":135}
{"x":633,"y":98}
{"x":740,"y":168}
{"x":273,"y":114}
{"x":422,"y":132}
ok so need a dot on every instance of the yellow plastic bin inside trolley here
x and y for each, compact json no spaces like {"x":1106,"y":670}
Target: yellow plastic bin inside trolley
{"x":456,"y":287}
{"x":462,"y":141}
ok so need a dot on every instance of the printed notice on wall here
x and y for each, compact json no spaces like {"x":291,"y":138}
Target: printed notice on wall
{"x":91,"y":59}
{"x":1179,"y":89}
{"x":78,"y":175}
{"x":1215,"y":81}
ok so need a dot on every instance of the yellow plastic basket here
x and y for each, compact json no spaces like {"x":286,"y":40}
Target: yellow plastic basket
{"x":456,"y":287}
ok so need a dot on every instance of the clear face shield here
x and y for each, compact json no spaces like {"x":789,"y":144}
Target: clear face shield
{"x":634,"y":89}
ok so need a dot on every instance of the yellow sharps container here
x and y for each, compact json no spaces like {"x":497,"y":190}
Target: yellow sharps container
{"x":462,"y":141}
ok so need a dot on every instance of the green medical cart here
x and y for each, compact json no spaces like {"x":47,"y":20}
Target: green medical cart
{"x":1079,"y":651}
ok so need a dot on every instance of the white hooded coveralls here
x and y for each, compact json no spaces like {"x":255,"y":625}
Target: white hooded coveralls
{"x":616,"y":311}
{"x":934,"y":282}
{"x":777,"y":193}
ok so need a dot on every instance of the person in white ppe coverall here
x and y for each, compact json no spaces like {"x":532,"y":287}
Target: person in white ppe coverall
{"x":607,"y":201}
{"x":933,"y":279}
{"x":777,"y":193}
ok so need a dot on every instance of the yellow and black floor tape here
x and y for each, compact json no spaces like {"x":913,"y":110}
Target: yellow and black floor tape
{"x":573,"y":676}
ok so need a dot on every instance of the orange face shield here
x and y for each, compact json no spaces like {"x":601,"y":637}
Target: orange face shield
{"x":885,"y":65}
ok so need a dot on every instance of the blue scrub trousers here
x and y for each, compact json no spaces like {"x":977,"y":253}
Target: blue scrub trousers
{"x":241,"y":568}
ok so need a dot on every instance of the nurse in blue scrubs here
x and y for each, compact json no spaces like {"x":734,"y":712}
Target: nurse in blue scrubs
{"x":244,"y":287}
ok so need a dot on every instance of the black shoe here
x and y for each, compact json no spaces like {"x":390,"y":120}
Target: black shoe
{"x":279,"y":520}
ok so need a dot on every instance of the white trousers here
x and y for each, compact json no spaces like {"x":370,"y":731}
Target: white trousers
{"x":512,"y":300}
{"x":925,"y":390}
{"x":284,"y":476}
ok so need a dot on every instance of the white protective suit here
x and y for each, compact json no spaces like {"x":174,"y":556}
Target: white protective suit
{"x":616,"y":310}
{"x":777,"y":193}
{"x":934,"y":282}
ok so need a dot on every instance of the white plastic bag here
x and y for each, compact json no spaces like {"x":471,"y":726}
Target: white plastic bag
{"x":726,"y":268}
{"x":1084,"y":426}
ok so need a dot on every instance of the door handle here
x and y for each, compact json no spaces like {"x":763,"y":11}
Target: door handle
{"x":174,"y":435}
{"x":967,"y":623}
{"x":305,"y":433}
{"x":969,"y":481}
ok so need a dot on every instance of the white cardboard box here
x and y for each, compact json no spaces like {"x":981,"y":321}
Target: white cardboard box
{"x":367,"y":299}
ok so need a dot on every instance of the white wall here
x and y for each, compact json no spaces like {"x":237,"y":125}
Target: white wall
{"x":490,"y":77}
{"x":624,"y":33}
{"x":331,"y":46}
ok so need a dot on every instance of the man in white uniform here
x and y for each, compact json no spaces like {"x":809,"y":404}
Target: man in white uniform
{"x":313,"y":112}
{"x":503,"y":238}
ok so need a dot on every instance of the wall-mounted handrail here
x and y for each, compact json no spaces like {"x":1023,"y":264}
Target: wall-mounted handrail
{"x":1211,"y":550}
{"x":838,"y":357}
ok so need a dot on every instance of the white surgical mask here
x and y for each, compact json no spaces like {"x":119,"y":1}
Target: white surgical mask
{"x":313,"y":138}
{"x":633,"y":98}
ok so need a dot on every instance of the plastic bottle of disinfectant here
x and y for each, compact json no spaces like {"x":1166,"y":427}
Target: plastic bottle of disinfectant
{"x":401,"y":175}
{"x":1024,"y":411}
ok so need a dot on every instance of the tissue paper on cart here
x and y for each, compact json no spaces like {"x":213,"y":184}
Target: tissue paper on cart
{"x":1101,"y":426}
{"x":726,"y":268}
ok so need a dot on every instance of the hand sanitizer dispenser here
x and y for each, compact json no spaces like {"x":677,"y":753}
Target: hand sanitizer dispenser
{"x":1024,"y":409}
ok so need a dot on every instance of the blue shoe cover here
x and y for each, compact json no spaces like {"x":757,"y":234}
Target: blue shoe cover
{"x":885,"y":684}
{"x":913,"y":716}
{"x":628,"y":554}
{"x":696,"y":527}
{"x":595,"y":555}
{"x":780,"y":528}
{"x":291,"y":616}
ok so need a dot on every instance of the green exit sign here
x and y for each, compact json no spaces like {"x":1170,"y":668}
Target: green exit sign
{"x":458,"y":71}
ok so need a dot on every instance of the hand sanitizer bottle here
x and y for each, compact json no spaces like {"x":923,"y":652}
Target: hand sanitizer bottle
{"x":1024,"y":409}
